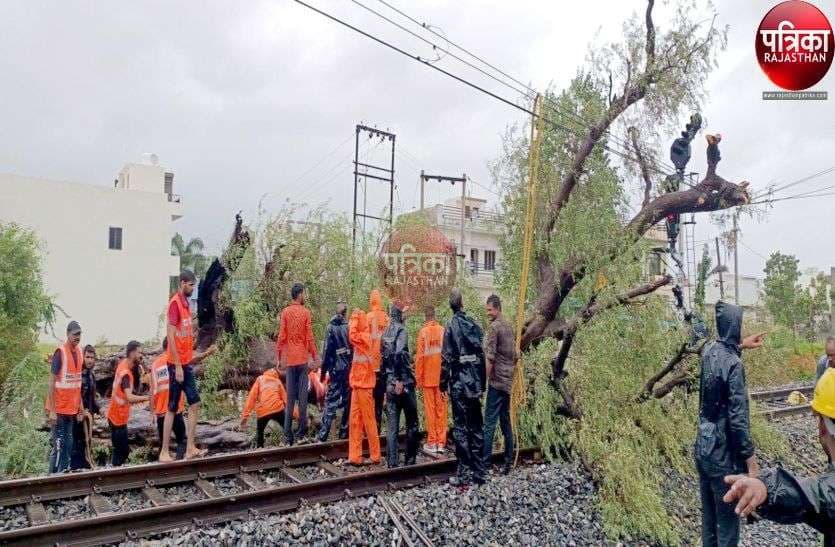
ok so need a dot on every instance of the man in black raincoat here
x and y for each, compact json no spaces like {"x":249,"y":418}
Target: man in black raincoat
{"x":337,"y":364}
{"x":780,"y":496}
{"x":400,"y":388}
{"x":464,"y":377}
{"x":723,"y":443}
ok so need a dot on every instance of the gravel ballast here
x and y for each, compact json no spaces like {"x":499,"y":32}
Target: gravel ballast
{"x":12,"y":518}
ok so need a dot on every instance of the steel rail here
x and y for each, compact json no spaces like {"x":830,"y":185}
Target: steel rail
{"x":774,"y":413}
{"x":115,"y":527}
{"x":67,"y":485}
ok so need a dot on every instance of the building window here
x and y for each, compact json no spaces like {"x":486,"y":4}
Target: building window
{"x":115,"y":241}
{"x":654,"y":264}
{"x":467,"y":213}
{"x":169,"y":183}
{"x":490,"y":260}
{"x":474,"y":256}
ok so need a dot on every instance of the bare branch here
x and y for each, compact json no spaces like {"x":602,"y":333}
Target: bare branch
{"x":666,"y":369}
{"x":633,"y":132}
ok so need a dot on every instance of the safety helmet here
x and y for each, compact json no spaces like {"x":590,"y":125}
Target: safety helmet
{"x":824,"y":400}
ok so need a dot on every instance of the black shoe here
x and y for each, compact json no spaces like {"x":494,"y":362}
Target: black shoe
{"x":505,"y":469}
{"x":478,"y":480}
{"x":410,"y":461}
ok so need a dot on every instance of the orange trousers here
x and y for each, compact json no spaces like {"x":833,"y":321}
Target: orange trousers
{"x":435,"y":407}
{"x":362,"y":421}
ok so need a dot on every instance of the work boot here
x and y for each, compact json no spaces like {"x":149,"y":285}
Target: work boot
{"x":459,"y":481}
{"x":479,"y":480}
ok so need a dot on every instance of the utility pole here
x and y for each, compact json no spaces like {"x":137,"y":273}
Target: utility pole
{"x":452,"y":180}
{"x":719,"y":270}
{"x":736,"y":257}
{"x":382,"y":174}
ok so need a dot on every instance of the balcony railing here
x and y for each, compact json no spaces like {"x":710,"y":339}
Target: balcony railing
{"x":174,"y":198}
{"x":477,"y":220}
{"x":480,"y":269}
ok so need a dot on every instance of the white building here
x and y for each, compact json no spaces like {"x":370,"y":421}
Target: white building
{"x":482,"y":228}
{"x":106,"y":249}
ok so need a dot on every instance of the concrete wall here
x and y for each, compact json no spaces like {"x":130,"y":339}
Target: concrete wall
{"x":117,"y":295}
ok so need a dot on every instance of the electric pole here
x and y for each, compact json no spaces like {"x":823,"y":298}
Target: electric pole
{"x":452,"y":180}
{"x":719,"y":270}
{"x":383,"y":174}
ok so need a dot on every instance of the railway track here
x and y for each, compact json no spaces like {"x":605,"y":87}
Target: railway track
{"x":781,"y":393}
{"x":775,"y":405}
{"x":224,"y":487}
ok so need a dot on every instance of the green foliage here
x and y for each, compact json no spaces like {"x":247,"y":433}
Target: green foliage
{"x":24,"y":449}
{"x":23,"y":301}
{"x":703,"y":270}
{"x":804,"y":310}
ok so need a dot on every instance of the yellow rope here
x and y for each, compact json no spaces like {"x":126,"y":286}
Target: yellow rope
{"x":518,"y":391}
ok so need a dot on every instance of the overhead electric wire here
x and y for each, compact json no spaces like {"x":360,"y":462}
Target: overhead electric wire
{"x":795,"y":183}
{"x":528,"y":92}
{"x":465,"y":81}
{"x":741,"y":242}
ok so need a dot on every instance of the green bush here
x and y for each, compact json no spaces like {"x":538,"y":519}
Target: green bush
{"x":24,"y":448}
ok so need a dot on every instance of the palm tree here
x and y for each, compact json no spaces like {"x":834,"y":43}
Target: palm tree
{"x":191,"y":256}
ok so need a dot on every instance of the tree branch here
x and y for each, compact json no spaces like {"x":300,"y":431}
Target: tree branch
{"x":633,"y":133}
{"x":666,"y":369}
{"x":713,"y":193}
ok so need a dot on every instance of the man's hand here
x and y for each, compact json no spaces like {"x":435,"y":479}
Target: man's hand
{"x":752,"y":342}
{"x":243,"y":424}
{"x":178,"y":373}
{"x":398,"y":387}
{"x":80,"y":416}
{"x":750,"y":492}
{"x":753,"y":467}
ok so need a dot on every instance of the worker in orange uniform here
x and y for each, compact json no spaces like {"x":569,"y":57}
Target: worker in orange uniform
{"x":180,"y":334}
{"x":269,"y":399}
{"x":122,"y":397}
{"x":362,"y":381}
{"x":63,"y":403}
{"x":160,"y":382}
{"x":296,"y":354}
{"x":428,"y":376}
{"x":378,"y":320}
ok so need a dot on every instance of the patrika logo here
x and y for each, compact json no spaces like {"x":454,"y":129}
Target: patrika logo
{"x":795,"y":46}
{"x":417,"y":265}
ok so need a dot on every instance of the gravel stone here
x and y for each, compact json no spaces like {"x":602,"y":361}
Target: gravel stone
{"x":181,"y":492}
{"x":273,"y":477}
{"x":12,"y":518}
{"x":228,"y":486}
{"x":129,"y":500}
{"x":68,"y":509}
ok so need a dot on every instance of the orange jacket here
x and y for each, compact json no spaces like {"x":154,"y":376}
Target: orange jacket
{"x":184,"y":333}
{"x":362,"y":368}
{"x":119,"y":411}
{"x":68,"y":382}
{"x":378,"y":320}
{"x":267,"y":396}
{"x":295,"y":336}
{"x":428,"y":357}
{"x":319,"y":387}
{"x":159,"y":387}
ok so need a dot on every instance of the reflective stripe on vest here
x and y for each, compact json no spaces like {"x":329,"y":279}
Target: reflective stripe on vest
{"x":69,"y":379}
{"x":436,"y":350}
{"x":468,"y":359}
{"x":162,"y":381}
{"x":342,"y":351}
{"x":361,"y":359}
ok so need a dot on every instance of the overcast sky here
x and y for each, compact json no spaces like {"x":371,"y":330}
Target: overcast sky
{"x":249,"y":99}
